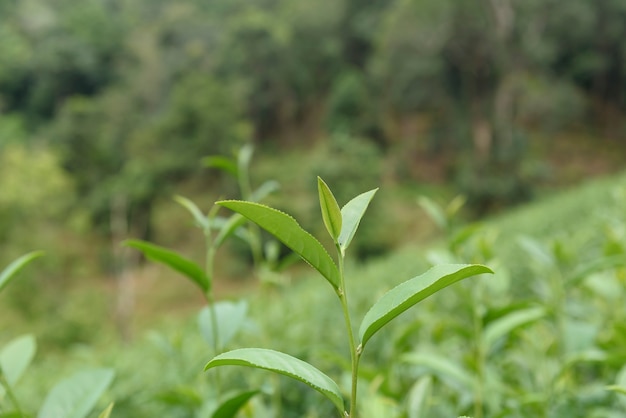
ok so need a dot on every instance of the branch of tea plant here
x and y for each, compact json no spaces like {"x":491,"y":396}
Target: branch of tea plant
{"x":341,"y":225}
{"x":480,"y":355}
{"x":209,"y":267}
{"x":333,"y":219}
{"x":7,"y":387}
{"x":208,"y":294}
{"x":355,"y":352}
{"x":244,"y":157}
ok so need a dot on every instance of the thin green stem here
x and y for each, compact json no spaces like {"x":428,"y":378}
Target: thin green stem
{"x":355,"y":353}
{"x":559,"y":313}
{"x":244,"y":182}
{"x":209,"y":294}
{"x":245,"y":189}
{"x":481,"y":357}
{"x":255,"y":245}
{"x":11,"y":395}
{"x":210,"y":256}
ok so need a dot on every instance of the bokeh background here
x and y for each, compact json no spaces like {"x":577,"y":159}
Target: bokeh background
{"x":108,"y":107}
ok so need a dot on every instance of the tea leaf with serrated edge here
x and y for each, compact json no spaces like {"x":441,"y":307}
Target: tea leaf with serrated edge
{"x":352,"y":213}
{"x":290,"y":233}
{"x":331,"y":214}
{"x":173,"y":260}
{"x":16,"y":266}
{"x":284,"y":364}
{"x":407,"y":294}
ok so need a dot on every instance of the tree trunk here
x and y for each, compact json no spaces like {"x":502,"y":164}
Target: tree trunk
{"x":124,"y":261}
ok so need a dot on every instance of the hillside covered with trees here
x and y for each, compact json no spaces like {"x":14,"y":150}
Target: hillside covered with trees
{"x":126,"y":96}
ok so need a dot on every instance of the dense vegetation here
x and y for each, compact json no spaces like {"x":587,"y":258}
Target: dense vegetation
{"x":108,"y":108}
{"x":543,"y":337}
{"x":122,"y":98}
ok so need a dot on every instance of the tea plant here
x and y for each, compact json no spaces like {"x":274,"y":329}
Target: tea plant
{"x":341,"y":225}
{"x":216,"y":230}
{"x":567,"y":327}
{"x":239,"y":168}
{"x":572,"y":320}
{"x":219,"y":321}
{"x":489,"y":323}
{"x":73,"y":397}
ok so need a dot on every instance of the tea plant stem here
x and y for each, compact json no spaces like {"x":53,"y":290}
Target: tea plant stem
{"x":209,"y":294}
{"x":480,"y":360}
{"x":216,"y":344}
{"x":253,"y":231}
{"x":255,"y":245}
{"x":560,"y":311}
{"x":11,"y":395}
{"x":211,"y":302}
{"x":354,"y":354}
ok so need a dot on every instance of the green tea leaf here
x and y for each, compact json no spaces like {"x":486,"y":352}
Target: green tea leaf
{"x":454,"y":206}
{"x":416,"y":400}
{"x":586,"y":269}
{"x":290,"y":233}
{"x":232,"y":405}
{"x":16,"y":266}
{"x":225,"y":164}
{"x":228,"y":228}
{"x":264,"y":190}
{"x":331,"y":214}
{"x":173,"y":260}
{"x":198,"y":216}
{"x":16,"y":356}
{"x":230,"y":317}
{"x":592,"y":355}
{"x":181,"y":396}
{"x":376,"y":405}
{"x":352,"y":213}
{"x":502,"y":326}
{"x":407,"y":294}
{"x":434,"y":212}
{"x":76,"y":396}
{"x":107,"y":412}
{"x":538,"y":251}
{"x":12,"y":414}
{"x":461,"y":236}
{"x":244,"y":156}
{"x":284,"y":364}
{"x":617,"y":389}
{"x":444,"y":368}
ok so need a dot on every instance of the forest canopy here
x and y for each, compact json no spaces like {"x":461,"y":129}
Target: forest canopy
{"x":127,"y":96}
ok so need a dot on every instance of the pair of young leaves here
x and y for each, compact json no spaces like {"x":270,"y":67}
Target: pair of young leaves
{"x":341,"y":225}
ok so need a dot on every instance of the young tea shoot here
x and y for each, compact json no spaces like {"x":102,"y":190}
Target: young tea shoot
{"x":341,"y":224}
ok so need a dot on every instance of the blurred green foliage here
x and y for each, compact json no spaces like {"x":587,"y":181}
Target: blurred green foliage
{"x":103,"y":101}
{"x":130,"y":94}
{"x":555,"y":362}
